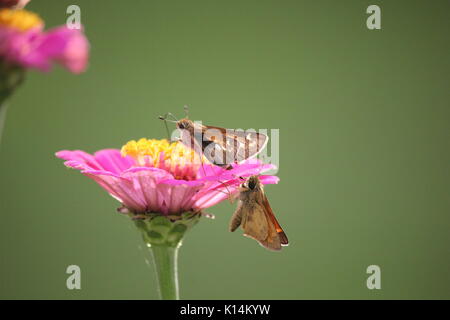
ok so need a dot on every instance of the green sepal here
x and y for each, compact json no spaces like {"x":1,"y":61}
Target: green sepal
{"x":11,"y":76}
{"x":160,"y":230}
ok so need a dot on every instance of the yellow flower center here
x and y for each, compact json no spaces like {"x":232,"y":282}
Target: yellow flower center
{"x":21,"y":20}
{"x":174,"y":157}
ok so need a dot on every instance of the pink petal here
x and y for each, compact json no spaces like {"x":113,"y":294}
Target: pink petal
{"x":212,"y":198}
{"x":111,"y":160}
{"x":68,"y":46}
{"x":269,"y":179}
{"x":83,"y":159}
{"x":145,"y":182}
{"x":120,"y":188}
{"x":35,"y":48}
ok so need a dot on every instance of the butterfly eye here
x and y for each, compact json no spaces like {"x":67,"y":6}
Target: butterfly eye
{"x":251,"y":184}
{"x":180,"y":125}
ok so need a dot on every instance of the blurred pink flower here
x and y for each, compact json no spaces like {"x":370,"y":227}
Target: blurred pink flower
{"x":24,"y":42}
{"x":167,"y":182}
{"x":16,"y":4}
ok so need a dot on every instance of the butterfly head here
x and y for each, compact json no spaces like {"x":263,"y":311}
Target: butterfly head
{"x":252,"y":183}
{"x":185,"y":124}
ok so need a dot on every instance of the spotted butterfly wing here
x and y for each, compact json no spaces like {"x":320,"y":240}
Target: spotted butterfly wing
{"x":225,"y":146}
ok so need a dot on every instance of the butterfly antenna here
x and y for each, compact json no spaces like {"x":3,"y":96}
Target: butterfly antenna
{"x":226,"y":185}
{"x":228,"y":192}
{"x":164,"y":118}
{"x":186,"y":111}
{"x":173,"y":117}
{"x":238,"y":177}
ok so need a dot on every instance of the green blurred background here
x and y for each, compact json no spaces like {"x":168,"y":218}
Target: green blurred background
{"x":364,"y":142}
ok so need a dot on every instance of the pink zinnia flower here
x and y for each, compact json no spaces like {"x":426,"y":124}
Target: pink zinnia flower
{"x":155,"y":176}
{"x":24,"y":42}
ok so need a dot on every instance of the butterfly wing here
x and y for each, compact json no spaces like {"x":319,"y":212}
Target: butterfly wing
{"x":259,"y":228}
{"x":236,"y":219}
{"x":254,"y":223}
{"x":227,"y":146}
{"x":249,"y":145}
{"x":191,"y":137}
{"x":273,"y":222}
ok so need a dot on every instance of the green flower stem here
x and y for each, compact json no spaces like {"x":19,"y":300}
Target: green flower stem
{"x":165,"y":260}
{"x":10,"y":78}
{"x":163,"y":235}
{"x":3,"y":107}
